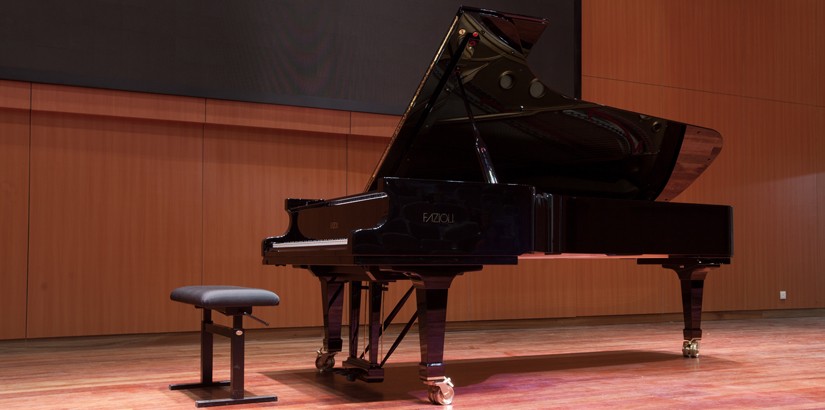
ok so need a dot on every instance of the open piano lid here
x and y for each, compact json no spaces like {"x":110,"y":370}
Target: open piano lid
{"x":533,"y":135}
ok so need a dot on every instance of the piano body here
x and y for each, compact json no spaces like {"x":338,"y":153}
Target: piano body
{"x":488,"y":166}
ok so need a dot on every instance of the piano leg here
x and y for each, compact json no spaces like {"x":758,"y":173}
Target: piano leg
{"x":431,"y":295}
{"x":692,"y":272}
{"x":692,"y":279}
{"x":332,"y":297}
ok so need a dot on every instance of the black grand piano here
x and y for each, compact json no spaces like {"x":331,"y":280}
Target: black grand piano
{"x":487,"y":166}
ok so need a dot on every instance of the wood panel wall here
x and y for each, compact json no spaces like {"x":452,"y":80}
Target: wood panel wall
{"x":115,"y":210}
{"x":751,"y":70}
{"x":14,"y":205}
{"x":111,"y":199}
{"x":248,"y":172}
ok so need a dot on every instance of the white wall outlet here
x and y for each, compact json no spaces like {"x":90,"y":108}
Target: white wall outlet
{"x":783,"y":295}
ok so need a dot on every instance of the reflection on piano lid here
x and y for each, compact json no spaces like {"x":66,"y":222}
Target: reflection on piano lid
{"x":483,"y":86}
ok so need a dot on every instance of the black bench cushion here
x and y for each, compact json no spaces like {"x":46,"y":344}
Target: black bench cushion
{"x":211,"y":297}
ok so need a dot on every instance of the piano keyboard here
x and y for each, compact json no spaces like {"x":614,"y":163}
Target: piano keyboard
{"x":320,"y":243}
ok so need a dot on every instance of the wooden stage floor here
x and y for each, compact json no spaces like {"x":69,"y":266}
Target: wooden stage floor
{"x":744,"y":363}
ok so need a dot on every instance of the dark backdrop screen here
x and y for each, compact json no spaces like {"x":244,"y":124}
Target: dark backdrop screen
{"x":359,"y":55}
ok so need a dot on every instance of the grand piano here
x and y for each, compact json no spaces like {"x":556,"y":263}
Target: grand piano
{"x":488,"y":166}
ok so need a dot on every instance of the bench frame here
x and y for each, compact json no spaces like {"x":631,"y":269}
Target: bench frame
{"x":236,"y":335}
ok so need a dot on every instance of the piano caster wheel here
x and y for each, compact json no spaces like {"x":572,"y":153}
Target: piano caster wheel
{"x":325,"y":362}
{"x":690,"y":348}
{"x":351,"y":377}
{"x":441,"y":392}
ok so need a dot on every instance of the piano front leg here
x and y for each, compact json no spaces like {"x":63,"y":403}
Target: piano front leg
{"x":332,"y":297}
{"x":431,"y":296}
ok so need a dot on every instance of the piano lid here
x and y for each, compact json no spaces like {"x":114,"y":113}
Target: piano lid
{"x":480,"y":85}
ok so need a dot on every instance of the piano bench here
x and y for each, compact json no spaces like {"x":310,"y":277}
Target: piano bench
{"x":232,"y":301}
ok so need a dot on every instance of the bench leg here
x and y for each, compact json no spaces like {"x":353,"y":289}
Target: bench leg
{"x":236,"y":357}
{"x":236,"y":336}
{"x":207,"y":342}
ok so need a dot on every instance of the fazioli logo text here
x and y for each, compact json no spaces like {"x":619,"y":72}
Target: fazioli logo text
{"x":438,"y":218}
